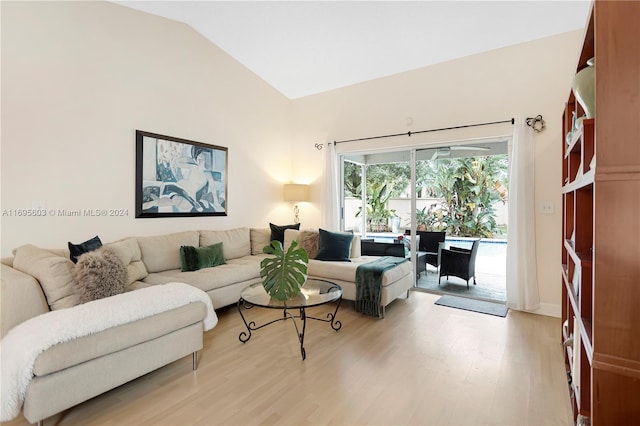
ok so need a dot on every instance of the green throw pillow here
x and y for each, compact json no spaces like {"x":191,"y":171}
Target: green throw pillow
{"x":194,"y":258}
{"x":334,"y":246}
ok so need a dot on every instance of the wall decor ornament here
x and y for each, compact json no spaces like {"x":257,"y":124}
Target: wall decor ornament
{"x":584,"y":88}
{"x":179,"y":178}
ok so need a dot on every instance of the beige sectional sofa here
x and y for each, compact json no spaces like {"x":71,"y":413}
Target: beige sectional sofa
{"x":243,"y":253}
{"x":116,"y":355}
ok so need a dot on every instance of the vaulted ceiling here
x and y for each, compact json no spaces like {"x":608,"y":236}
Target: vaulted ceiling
{"x":307,"y":47}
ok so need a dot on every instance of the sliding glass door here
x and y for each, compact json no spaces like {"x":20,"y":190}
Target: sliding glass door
{"x":377,"y":194}
{"x":462,"y":190}
{"x":457,"y":189}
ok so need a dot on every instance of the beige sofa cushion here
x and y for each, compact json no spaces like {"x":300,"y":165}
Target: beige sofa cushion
{"x":259,"y":239}
{"x":356,"y":247}
{"x":346,"y":271}
{"x":235,"y":242}
{"x":77,"y":351}
{"x":162,"y":252}
{"x":242,"y":269}
{"x":129,"y":253}
{"x":22,"y":298}
{"x":290,"y":235}
{"x":52,"y":271}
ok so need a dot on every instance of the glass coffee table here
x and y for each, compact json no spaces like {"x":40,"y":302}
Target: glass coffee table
{"x":313,"y":293}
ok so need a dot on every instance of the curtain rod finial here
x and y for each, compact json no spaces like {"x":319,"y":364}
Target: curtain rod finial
{"x":318,"y":146}
{"x":536,"y":123}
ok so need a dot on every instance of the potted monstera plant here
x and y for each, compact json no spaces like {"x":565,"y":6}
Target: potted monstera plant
{"x":284,"y":274}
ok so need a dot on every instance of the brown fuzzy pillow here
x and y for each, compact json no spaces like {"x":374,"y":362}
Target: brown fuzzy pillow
{"x":308,"y":240}
{"x":99,"y":274}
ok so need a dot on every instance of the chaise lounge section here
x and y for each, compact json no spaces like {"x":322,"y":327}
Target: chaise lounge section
{"x":68,"y":367}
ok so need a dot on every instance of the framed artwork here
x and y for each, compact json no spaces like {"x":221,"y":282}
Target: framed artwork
{"x":177,"y":177}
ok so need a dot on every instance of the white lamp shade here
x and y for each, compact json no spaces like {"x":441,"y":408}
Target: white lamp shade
{"x":296,"y":192}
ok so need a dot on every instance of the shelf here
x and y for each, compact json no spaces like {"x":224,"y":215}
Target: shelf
{"x":587,"y":340}
{"x":580,"y":182}
{"x":565,"y":272}
{"x":578,"y":158}
{"x":574,"y":144}
{"x":571,"y":296}
{"x":599,"y":249}
{"x":579,"y":258}
{"x":569,"y":351}
{"x":569,"y":354}
{"x":585,"y":324}
{"x":580,"y":135}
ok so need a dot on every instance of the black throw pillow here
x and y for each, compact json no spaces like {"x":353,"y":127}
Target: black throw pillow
{"x":76,"y":250}
{"x":277,"y":232}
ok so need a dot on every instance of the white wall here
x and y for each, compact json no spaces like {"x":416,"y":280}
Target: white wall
{"x":528,"y":79}
{"x":78,"y":78}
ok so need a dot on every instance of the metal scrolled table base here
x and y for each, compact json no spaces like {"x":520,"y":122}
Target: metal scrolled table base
{"x":244,"y":336}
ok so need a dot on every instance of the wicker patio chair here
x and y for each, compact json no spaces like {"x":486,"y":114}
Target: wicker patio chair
{"x":459,"y":262}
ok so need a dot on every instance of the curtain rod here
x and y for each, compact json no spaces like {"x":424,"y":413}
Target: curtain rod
{"x":512,"y":121}
{"x":536,"y":123}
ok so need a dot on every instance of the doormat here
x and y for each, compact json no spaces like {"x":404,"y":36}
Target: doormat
{"x":489,"y":308}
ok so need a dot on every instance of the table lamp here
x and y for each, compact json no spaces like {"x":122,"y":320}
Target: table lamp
{"x":296,"y":193}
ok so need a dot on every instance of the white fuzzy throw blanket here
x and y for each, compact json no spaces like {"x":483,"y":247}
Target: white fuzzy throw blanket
{"x":22,"y":345}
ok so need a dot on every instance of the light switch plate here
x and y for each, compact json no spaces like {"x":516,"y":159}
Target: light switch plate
{"x":546,"y":208}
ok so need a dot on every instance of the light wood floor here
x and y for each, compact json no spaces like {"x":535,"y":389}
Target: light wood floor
{"x":422,"y":364}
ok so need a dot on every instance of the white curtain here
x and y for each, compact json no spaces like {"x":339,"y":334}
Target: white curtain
{"x":330,"y":218}
{"x":522,"y":280}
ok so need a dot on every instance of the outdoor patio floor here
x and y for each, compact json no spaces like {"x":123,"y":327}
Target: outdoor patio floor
{"x":490,"y":276}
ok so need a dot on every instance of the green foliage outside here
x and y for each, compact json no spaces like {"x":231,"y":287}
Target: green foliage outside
{"x":352,"y":180}
{"x":383,"y":182}
{"x":378,"y":214}
{"x":284,"y":274}
{"x":396,"y":175}
{"x":467,"y":187}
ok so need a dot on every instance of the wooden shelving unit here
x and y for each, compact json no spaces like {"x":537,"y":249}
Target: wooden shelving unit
{"x":601,"y":225}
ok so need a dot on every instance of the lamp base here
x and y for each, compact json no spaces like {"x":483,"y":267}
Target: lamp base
{"x":296,"y":212}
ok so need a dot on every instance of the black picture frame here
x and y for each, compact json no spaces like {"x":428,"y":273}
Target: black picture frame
{"x":179,"y":178}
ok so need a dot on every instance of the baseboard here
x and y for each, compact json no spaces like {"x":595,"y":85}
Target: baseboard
{"x":548,"y":309}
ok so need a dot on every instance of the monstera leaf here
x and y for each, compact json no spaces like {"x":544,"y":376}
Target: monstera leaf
{"x":284,"y":274}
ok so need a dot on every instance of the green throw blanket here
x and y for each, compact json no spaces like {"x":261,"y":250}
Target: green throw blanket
{"x":369,"y":284}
